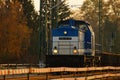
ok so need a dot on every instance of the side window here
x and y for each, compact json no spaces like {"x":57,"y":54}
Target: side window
{"x":83,"y":28}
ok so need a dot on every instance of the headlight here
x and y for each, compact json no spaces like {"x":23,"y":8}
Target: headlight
{"x":75,"y":50}
{"x":65,"y":32}
{"x":55,"y":51}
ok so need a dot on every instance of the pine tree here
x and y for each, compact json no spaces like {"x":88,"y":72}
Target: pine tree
{"x":30,"y":13}
{"x":33,"y":23}
{"x":60,"y":11}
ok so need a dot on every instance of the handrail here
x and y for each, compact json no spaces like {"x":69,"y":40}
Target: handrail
{"x":31,"y":70}
{"x":58,"y":69}
{"x":90,"y":77}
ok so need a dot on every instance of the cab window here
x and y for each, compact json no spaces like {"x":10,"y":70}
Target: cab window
{"x":83,"y":28}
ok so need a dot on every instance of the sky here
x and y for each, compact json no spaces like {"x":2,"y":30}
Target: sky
{"x":73,"y":3}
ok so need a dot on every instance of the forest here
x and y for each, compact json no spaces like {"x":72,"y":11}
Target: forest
{"x":24,"y":32}
{"x":104,"y":16}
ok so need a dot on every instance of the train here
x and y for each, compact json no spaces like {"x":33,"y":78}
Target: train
{"x":73,"y":45}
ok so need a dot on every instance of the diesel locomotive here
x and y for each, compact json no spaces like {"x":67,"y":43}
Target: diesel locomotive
{"x":73,"y":45}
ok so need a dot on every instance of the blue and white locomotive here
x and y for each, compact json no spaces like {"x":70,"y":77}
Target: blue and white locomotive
{"x":72,"y":42}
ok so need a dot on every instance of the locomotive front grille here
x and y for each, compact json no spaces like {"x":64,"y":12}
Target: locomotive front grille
{"x":65,"y":47}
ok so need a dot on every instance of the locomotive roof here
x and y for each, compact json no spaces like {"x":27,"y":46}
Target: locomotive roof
{"x":72,"y":22}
